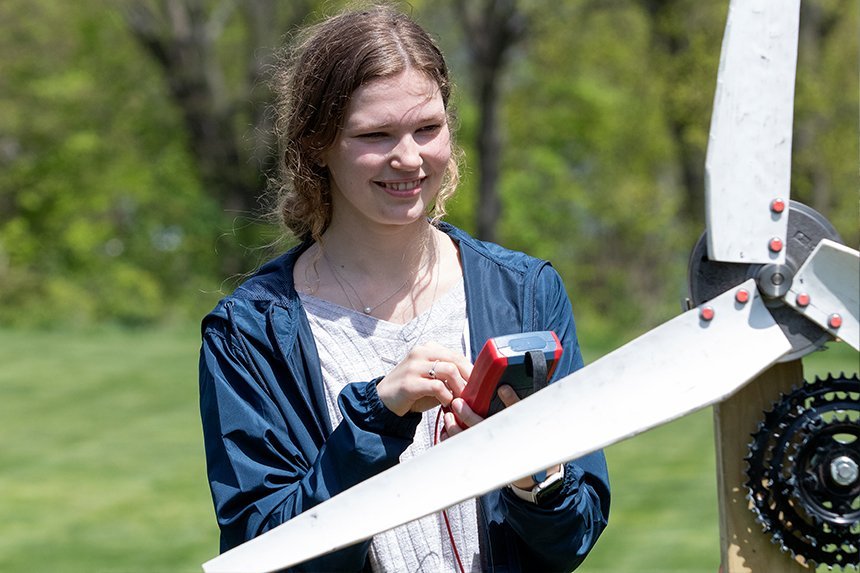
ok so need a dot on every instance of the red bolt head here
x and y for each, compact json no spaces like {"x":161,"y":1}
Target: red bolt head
{"x":834,"y":321}
{"x":742,"y":296}
{"x":775,"y":245}
{"x":777,"y":205}
{"x":803,"y":299}
{"x":707,"y":313}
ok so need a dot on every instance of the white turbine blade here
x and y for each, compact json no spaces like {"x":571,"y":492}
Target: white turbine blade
{"x":748,"y":163}
{"x":679,"y":367}
{"x":827,"y":285}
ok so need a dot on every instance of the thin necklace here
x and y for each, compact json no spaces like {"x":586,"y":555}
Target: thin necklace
{"x":363,"y":307}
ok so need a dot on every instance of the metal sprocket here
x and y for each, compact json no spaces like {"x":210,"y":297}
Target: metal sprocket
{"x":803,"y":478}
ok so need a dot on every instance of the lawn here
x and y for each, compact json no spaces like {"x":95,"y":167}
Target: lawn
{"x":102,"y":465}
{"x":102,"y":470}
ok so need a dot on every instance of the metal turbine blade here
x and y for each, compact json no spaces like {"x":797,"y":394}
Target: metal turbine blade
{"x":748,"y":164}
{"x":826,"y":289}
{"x":686,"y":364}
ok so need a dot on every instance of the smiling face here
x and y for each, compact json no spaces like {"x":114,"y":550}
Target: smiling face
{"x":389,"y":160}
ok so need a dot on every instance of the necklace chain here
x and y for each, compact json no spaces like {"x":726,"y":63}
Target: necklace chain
{"x":340,"y":279}
{"x":362,"y":307}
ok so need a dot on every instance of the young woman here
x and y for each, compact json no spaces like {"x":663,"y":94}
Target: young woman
{"x":328,"y":366}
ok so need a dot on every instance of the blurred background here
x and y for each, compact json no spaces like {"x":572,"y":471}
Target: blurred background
{"x":134,"y":156}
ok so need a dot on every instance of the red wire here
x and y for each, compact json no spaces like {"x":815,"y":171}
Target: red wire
{"x":453,"y":545}
{"x":436,"y":434}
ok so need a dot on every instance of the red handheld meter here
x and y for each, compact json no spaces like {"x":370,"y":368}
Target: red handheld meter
{"x":509,"y":360}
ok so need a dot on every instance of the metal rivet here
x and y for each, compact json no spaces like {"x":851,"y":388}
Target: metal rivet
{"x":803,"y":299}
{"x":834,"y":321}
{"x":707,"y":313}
{"x":742,"y":296}
{"x":777,"y":205}
{"x":775,"y":245}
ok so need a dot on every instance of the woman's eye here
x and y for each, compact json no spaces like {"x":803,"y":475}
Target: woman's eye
{"x":430,"y":128}
{"x":372,"y":135}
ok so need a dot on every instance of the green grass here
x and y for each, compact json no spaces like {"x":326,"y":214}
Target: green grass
{"x":101,"y":464}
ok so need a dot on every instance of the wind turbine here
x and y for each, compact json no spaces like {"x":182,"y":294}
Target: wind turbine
{"x":769,"y":282}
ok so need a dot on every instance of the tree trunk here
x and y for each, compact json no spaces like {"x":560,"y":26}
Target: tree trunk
{"x":491,"y":30}
{"x":227,"y":122}
{"x":811,"y":181}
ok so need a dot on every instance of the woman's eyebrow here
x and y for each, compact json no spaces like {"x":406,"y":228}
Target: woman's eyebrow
{"x":360,"y":125}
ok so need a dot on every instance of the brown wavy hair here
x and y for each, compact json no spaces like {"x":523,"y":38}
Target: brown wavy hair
{"x":313,"y":83}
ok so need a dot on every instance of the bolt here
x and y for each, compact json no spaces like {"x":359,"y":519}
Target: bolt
{"x":742,"y":296}
{"x":777,"y":205}
{"x":803,"y":300}
{"x":707,"y":313}
{"x":844,"y":471}
{"x":775,"y":245}
{"x":774,"y":281}
{"x":834,"y":321}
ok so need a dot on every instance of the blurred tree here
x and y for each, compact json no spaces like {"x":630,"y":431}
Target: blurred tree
{"x":215,"y":56}
{"x":593,"y":182}
{"x":610,"y":112}
{"x":100,"y":217}
{"x":685,"y":41}
{"x":492,"y":28}
{"x":826,"y":145}
{"x":128,"y":127}
{"x":217,"y":80}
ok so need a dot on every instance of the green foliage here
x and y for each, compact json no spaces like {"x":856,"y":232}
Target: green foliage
{"x":589,"y":180}
{"x":606,"y":109}
{"x":826,"y":145}
{"x":102,"y":214}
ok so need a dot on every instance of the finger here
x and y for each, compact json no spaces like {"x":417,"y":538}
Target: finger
{"x":464,"y":413}
{"x":452,"y":428}
{"x":439,"y":390}
{"x":433,"y":351}
{"x":507,"y":395}
{"x":450,"y":374}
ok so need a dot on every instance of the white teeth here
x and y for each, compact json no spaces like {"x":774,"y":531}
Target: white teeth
{"x":406,"y":186}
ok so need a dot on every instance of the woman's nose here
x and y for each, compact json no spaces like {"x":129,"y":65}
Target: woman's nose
{"x":406,"y":155}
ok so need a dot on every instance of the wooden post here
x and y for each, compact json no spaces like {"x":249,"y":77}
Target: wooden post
{"x":744,"y":547}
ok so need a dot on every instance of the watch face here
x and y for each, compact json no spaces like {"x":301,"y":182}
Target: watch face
{"x":544,"y":493}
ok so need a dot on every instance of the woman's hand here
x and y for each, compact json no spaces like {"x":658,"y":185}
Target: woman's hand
{"x":461,"y":410}
{"x":430,"y":375}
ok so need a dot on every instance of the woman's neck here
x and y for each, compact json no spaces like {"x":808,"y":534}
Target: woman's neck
{"x":387,"y":254}
{"x":392,"y":276}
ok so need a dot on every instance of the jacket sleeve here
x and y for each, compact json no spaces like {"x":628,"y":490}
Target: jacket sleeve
{"x":558,"y":536}
{"x":263,"y":464}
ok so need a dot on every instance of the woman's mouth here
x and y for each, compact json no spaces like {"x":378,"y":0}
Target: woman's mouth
{"x":401,"y":187}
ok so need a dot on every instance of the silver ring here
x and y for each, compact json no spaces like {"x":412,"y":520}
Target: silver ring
{"x":432,"y":371}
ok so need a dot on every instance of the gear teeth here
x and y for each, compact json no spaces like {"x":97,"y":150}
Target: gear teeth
{"x":790,"y":498}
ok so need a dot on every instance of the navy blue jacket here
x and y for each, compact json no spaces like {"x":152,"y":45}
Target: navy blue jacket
{"x":270,"y":449}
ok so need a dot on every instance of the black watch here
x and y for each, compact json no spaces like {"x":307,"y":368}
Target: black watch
{"x":545,"y":488}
